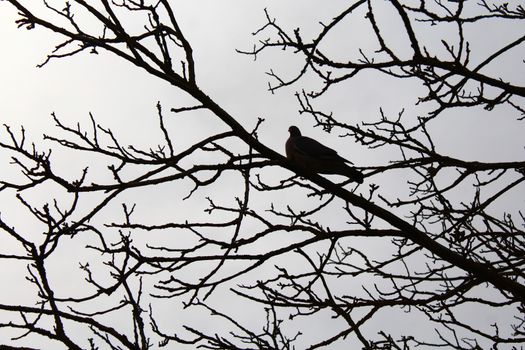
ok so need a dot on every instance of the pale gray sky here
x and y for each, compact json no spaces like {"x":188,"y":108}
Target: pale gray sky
{"x":123,"y":98}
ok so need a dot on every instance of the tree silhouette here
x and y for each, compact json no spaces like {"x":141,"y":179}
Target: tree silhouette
{"x":317,"y":263}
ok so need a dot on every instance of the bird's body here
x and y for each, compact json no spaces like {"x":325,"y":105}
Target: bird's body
{"x":313,"y":156}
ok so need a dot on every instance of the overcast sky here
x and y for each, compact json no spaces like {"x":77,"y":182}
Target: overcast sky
{"x":123,"y":98}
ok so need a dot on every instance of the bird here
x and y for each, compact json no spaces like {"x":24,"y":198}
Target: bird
{"x":313,"y":156}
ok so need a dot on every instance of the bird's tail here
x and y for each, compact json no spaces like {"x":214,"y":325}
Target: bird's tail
{"x":353,"y":174}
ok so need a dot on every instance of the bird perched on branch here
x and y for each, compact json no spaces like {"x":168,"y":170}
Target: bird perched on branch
{"x":312,"y":156}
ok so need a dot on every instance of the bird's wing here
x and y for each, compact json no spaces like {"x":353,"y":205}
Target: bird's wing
{"x":310,"y":147}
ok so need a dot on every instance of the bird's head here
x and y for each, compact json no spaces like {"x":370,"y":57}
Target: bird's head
{"x":294,"y":131}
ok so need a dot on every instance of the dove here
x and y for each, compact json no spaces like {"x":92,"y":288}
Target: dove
{"x":313,"y":156}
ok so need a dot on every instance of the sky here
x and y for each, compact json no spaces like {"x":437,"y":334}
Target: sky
{"x":123,"y":98}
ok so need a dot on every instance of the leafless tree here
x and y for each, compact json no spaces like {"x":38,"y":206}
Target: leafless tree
{"x":445,"y":261}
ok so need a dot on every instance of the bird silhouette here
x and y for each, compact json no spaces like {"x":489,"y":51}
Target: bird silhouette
{"x":313,"y":156}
